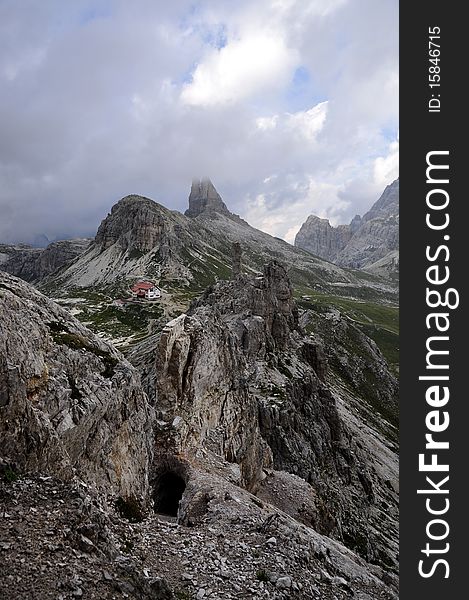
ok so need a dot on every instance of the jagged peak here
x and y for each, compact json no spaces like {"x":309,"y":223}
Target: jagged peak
{"x":386,"y":205}
{"x":135,"y":222}
{"x":355,"y":223}
{"x":317,"y":219}
{"x":205,"y":198}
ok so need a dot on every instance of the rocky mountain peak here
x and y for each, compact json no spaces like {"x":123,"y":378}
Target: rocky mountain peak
{"x":320,"y":238}
{"x":355,"y":223}
{"x":387,"y":205}
{"x":205,"y":198}
{"x":370,"y":242}
{"x":131,"y":199}
{"x":134,"y":223}
{"x":266,"y":299}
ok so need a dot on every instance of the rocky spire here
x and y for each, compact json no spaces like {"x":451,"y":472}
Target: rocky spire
{"x":205,"y":198}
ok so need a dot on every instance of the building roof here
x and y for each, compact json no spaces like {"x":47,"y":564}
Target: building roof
{"x":143,"y":285}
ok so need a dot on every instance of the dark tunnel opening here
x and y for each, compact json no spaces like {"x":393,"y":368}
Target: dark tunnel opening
{"x":167,"y":492}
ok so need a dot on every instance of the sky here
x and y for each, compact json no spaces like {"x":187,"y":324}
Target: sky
{"x":289,"y":106}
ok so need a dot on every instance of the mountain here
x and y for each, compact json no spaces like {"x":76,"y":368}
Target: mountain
{"x":240,"y":378}
{"x":141,"y":239}
{"x":232,"y":456}
{"x":34,"y":264}
{"x":321,"y":239}
{"x":204,"y":198}
{"x":370,"y":242}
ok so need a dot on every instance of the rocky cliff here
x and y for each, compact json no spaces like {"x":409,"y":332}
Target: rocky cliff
{"x":252,"y":462}
{"x":136,"y":224}
{"x":70,"y":405}
{"x":320,"y":238}
{"x":371,"y":242}
{"x":35,"y":264}
{"x":237,"y":380}
{"x":205,"y":198}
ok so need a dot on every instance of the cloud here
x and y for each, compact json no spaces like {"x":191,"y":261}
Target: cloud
{"x":308,"y":123}
{"x":267,"y":123}
{"x":281,"y":214}
{"x":386,"y":168}
{"x":239,"y":70}
{"x":289,"y":106}
{"x":303,"y":124}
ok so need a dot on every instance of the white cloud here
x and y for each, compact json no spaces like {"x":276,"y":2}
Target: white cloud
{"x":282,"y":217}
{"x":308,"y":123}
{"x":386,"y":168}
{"x":240,"y":69}
{"x":305,"y":124}
{"x":266,"y":123}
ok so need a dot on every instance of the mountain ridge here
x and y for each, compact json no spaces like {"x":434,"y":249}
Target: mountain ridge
{"x":370,"y":242}
{"x":183,"y":248}
{"x":35,"y":264}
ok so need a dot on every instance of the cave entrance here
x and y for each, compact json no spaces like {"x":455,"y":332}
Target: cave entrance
{"x":167,"y":492}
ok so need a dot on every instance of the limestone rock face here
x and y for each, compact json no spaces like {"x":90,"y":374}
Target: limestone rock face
{"x":205,"y":198}
{"x":238,"y":380}
{"x":320,"y":238}
{"x":378,"y":234}
{"x":20,"y":260}
{"x":57,"y":255}
{"x":275,"y":472}
{"x":138,"y":238}
{"x":135,"y":223}
{"x":366,"y":243}
{"x":355,"y":359}
{"x":199,"y":368}
{"x":69,"y":402}
{"x":35,"y":264}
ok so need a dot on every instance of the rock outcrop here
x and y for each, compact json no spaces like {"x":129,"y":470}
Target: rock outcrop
{"x":237,"y":380}
{"x":135,"y":224}
{"x":252,"y":462}
{"x":205,"y":198}
{"x":366,"y":243}
{"x":35,"y":264}
{"x":321,"y":239}
{"x":356,"y":363}
{"x":70,"y":404}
